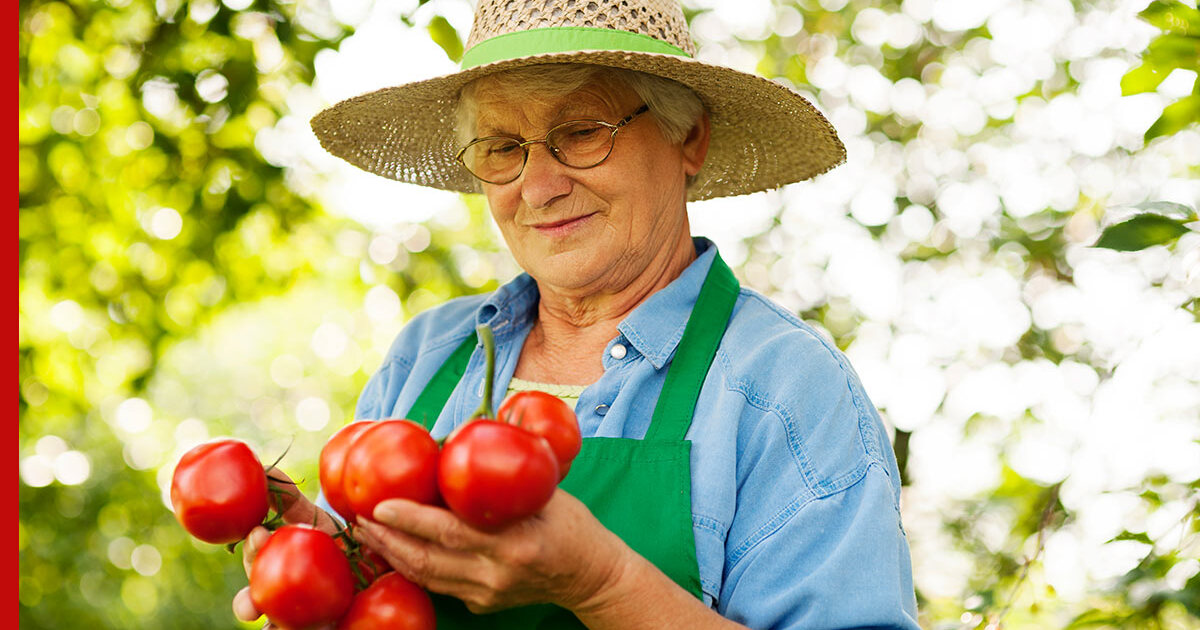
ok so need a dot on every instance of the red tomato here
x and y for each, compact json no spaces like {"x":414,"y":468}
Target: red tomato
{"x":219,"y":491}
{"x":390,"y":459}
{"x":300,"y":579}
{"x":391,"y":603}
{"x":373,"y":566}
{"x":331,"y":467}
{"x":548,"y":416}
{"x":492,"y":474}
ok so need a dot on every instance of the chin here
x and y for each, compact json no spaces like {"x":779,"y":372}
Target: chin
{"x":567,"y":271}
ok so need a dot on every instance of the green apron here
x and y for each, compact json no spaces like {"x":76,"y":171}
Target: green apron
{"x":639,"y":489}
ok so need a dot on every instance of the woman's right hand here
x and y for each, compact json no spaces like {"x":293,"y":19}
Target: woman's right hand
{"x":295,"y":508}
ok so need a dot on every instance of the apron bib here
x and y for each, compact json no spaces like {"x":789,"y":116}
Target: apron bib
{"x":639,"y":489}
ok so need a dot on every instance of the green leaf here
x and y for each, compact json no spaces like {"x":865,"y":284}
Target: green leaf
{"x":1173,"y":17}
{"x":1174,"y":51}
{"x":1140,"y":232}
{"x":1144,"y":78}
{"x":1190,"y":595}
{"x":1141,"y":537}
{"x":1176,"y":116}
{"x":444,"y":35}
{"x":1171,"y":210}
{"x":1094,"y":618}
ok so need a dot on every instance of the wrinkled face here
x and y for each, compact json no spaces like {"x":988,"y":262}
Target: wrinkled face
{"x":596,"y":230}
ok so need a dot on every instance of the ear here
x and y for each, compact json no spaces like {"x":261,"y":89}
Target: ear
{"x":695,"y":145}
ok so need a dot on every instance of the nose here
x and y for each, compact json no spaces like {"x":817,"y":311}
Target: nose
{"x":544,"y":178}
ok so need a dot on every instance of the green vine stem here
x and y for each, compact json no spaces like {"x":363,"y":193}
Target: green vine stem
{"x":355,"y":555}
{"x":489,"y":352}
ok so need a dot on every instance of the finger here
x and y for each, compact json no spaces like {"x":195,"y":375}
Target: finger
{"x":293,"y":506}
{"x":301,"y":511}
{"x":243,"y":607}
{"x":430,"y":523}
{"x":417,"y":559}
{"x":254,"y":541}
{"x":284,"y":491}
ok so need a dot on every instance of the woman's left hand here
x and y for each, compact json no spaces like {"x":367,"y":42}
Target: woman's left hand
{"x":561,"y":555}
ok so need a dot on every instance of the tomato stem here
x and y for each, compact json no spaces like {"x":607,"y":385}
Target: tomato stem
{"x":287,"y":482}
{"x":489,"y":352}
{"x":283,"y":454}
{"x":353,"y":551}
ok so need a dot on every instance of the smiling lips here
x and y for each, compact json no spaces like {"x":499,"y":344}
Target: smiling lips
{"x":561,"y":226}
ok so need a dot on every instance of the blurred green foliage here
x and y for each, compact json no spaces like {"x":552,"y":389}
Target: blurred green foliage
{"x":147,"y":220}
{"x":174,"y":285}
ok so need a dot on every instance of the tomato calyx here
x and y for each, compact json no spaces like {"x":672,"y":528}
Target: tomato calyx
{"x":364,"y":564}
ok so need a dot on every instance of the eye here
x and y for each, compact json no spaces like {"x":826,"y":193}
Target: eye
{"x":582,"y":132}
{"x":578,"y":136}
{"x":502,"y":148}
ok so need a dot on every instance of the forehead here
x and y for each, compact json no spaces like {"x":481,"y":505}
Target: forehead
{"x":501,"y":108}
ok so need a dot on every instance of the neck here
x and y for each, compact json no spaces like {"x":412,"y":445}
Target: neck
{"x":573,"y":327}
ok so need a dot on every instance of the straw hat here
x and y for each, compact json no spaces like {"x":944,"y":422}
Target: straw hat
{"x":764,"y":135}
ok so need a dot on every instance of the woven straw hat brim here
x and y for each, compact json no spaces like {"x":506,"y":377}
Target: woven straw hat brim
{"x":764,"y":135}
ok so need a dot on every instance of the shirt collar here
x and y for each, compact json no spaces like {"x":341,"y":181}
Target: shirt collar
{"x":654,"y":328}
{"x":511,"y":307}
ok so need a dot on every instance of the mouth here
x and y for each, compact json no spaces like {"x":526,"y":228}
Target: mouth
{"x":561,"y":226}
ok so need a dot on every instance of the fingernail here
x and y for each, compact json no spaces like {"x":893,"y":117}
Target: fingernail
{"x":384,"y":513}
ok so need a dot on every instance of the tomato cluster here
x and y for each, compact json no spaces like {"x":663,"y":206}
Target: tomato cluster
{"x":367,"y":462}
{"x":492,"y":471}
{"x":302,"y":577}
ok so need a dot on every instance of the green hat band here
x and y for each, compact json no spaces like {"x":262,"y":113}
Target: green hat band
{"x":540,"y":41}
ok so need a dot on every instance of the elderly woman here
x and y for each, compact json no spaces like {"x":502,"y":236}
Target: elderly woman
{"x":733,"y":470}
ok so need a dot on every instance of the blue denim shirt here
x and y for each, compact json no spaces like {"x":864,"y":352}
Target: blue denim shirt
{"x":795,"y":489}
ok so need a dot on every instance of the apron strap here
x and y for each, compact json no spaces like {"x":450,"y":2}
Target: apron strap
{"x":429,"y":403}
{"x":677,"y":403}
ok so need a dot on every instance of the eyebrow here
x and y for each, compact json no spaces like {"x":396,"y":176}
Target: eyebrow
{"x":568,"y":112}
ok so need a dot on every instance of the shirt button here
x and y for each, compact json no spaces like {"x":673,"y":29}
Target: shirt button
{"x":601,"y":409}
{"x":617,"y":351}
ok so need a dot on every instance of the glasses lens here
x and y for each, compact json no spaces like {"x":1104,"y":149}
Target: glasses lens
{"x":581,"y":144}
{"x":495,"y":160}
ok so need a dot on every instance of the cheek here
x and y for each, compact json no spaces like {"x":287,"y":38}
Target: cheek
{"x":500,"y":203}
{"x":664,"y":169}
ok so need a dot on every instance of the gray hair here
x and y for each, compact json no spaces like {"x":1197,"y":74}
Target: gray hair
{"x":676,"y":107}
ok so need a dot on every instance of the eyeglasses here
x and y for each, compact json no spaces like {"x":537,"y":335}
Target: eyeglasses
{"x":576,"y":143}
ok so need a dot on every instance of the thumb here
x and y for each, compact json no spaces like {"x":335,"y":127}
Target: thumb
{"x":243,"y":606}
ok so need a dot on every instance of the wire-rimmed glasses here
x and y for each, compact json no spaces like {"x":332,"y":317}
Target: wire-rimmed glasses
{"x":575,"y":143}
